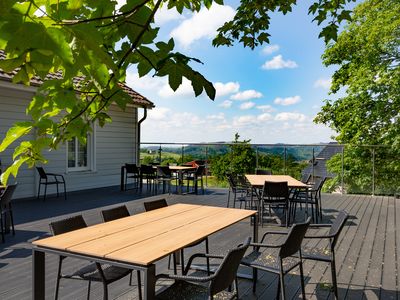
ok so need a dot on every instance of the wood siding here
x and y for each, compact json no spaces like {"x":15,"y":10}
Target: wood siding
{"x":114,"y":146}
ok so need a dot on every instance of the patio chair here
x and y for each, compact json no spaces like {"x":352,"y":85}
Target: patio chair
{"x":238,"y":190}
{"x":6,"y":210}
{"x":156,"y":204}
{"x":312,"y":197}
{"x":148,"y":173}
{"x":279,"y":258}
{"x":133,"y":172}
{"x":50,"y":179}
{"x":215,"y":286}
{"x":275,"y":195}
{"x":104,"y":273}
{"x":118,"y":213}
{"x":305,"y":177}
{"x":326,"y":254}
{"x":164,"y":176}
{"x":195,"y":177}
{"x":263,"y":172}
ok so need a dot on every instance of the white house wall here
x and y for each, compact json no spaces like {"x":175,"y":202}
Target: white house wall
{"x":114,"y":146}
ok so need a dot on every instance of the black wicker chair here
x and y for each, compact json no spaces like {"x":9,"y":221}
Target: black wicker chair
{"x":133,"y":172}
{"x":312,"y":197}
{"x":118,"y":213}
{"x":239,"y":191}
{"x":156,"y":204}
{"x":279,"y":258}
{"x":50,"y":179}
{"x":215,"y":286}
{"x":326,"y":254}
{"x":6,"y":210}
{"x":263,"y":172}
{"x":275,"y":195}
{"x":104,"y":273}
{"x":195,"y":177}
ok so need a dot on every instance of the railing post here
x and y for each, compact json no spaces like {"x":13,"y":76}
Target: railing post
{"x":342,"y":179}
{"x":159,"y":154}
{"x":182,"y":153}
{"x":256,"y":157}
{"x":313,"y":163}
{"x":284,"y":162}
{"x":373,"y":171}
{"x":206,"y":163}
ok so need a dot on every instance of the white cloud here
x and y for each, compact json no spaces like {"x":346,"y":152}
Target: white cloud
{"x":202,"y":24}
{"x":159,"y":113}
{"x":247,"y":105}
{"x":144,"y":83}
{"x":244,"y":121}
{"x":264,"y":117}
{"x":266,"y":108}
{"x":220,"y":116}
{"x":277,"y":62}
{"x":267,"y":50}
{"x":290,"y":116}
{"x":226,"y":104}
{"x":165,"y":15}
{"x":246,"y":95}
{"x":287,"y":101}
{"x":223,"y":89}
{"x":324,"y":83}
{"x":184,"y":90}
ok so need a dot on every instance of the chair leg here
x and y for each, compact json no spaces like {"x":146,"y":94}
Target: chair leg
{"x":38,"y":194}
{"x":45,"y":192}
{"x":105,"y":291}
{"x":303,"y":290}
{"x":278,"y":289}
{"x":334,"y":281}
{"x":229,"y":195}
{"x":255,"y":275}
{"x":182,"y":262}
{"x":88,"y":290}
{"x":2,"y":228}
{"x":12,"y":221}
{"x":58,"y":278}
{"x":208,"y":259}
{"x":282,"y":281}
{"x":58,"y":194}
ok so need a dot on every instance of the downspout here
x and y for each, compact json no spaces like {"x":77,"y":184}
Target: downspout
{"x":138,"y":136}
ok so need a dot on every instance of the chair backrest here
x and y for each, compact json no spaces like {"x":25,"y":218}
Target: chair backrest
{"x":163,"y":171}
{"x":226,"y":272}
{"x":276,"y":191}
{"x":146,"y":169}
{"x":337,"y":226}
{"x":131,"y":168}
{"x":67,"y":225}
{"x":156,"y":204}
{"x":6,"y":197}
{"x":294,"y":238}
{"x":200,"y":171}
{"x":305,"y":177}
{"x":231,"y":181}
{"x":115,"y":213}
{"x":263,"y":172}
{"x":42,"y":173}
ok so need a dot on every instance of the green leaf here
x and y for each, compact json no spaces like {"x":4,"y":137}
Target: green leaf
{"x":12,"y":170}
{"x":15,"y":132}
{"x":74,"y":4}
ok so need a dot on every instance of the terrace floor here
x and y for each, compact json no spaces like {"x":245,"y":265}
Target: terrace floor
{"x":368,"y":252}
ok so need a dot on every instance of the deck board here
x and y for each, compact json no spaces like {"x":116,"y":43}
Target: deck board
{"x":367,"y":252}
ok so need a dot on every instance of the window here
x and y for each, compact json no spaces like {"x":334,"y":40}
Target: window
{"x":80,"y":156}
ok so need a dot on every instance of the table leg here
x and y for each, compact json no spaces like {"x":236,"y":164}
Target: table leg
{"x":150,"y":282}
{"x":38,"y":275}
{"x":122,"y":178}
{"x":255,"y":228}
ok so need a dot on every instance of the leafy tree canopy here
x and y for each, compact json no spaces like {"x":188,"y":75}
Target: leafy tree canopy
{"x":95,"y":40}
{"x":368,"y":55}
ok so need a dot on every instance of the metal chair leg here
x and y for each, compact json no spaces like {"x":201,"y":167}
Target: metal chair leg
{"x":303,"y":291}
{"x":334,"y":280}
{"x":88,"y":290}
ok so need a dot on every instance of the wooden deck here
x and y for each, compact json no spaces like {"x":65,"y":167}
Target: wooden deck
{"x":368,"y":252}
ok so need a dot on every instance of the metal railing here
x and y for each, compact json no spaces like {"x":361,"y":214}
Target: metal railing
{"x":366,"y":169}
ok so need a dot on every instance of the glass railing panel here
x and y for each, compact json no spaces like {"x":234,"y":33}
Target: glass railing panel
{"x":387,"y":171}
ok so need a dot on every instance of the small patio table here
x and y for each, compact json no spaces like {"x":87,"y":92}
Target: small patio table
{"x":180,"y":170}
{"x":138,"y":241}
{"x":257,"y":182}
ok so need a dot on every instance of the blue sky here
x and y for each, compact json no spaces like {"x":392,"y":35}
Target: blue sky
{"x":269,"y":95}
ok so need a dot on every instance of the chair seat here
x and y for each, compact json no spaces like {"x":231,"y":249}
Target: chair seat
{"x":184,"y":290}
{"x":317,"y":253}
{"x":90,"y":272}
{"x":268,"y":260}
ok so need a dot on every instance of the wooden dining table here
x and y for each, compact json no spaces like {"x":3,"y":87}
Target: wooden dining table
{"x":257,"y":182}
{"x":138,"y":241}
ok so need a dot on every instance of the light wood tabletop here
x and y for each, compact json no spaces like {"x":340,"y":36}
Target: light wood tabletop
{"x":258,"y":180}
{"x":147,"y":237}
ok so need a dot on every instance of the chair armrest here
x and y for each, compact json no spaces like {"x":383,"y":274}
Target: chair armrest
{"x":259,"y":245}
{"x":273,"y":232}
{"x":185,"y":277}
{"x":197,"y":255}
{"x":328,"y":236}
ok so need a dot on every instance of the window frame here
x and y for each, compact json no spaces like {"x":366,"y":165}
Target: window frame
{"x":91,"y":153}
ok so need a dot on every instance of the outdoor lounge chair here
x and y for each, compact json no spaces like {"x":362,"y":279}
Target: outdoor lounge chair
{"x":103,"y":273}
{"x":156,"y":204}
{"x":6,"y":210}
{"x":50,"y":179}
{"x":215,"y":286}
{"x":118,"y":213}
{"x":326,"y":254}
